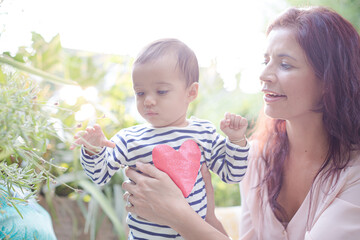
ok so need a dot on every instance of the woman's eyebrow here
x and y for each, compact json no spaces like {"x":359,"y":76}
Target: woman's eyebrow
{"x":281,"y":55}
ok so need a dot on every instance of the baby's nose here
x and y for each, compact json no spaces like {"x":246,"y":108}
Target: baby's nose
{"x":149,"y":101}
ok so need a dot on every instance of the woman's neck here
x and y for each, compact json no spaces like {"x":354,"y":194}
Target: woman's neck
{"x":308,"y":147}
{"x":308,"y":139}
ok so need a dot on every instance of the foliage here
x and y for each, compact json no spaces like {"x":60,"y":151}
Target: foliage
{"x":349,"y":9}
{"x":25,"y":130}
{"x":55,"y":65}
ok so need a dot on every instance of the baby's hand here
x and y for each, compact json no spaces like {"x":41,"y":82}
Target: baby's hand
{"x":93,"y":139}
{"x":234,"y":126}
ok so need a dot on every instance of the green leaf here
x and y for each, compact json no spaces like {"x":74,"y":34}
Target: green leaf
{"x":14,"y":205}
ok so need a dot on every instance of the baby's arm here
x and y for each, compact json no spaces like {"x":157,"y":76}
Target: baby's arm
{"x":97,"y":161}
{"x":234,"y":126}
{"x":229,"y":157}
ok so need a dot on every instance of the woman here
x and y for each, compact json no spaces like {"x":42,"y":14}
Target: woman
{"x":303,"y":179}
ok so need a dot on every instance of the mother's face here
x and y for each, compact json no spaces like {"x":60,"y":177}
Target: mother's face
{"x":291,"y":89}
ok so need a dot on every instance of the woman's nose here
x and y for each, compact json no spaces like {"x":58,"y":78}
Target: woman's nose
{"x":267,"y":74}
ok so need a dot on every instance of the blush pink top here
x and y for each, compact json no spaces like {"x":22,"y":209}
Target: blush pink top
{"x":334,"y":215}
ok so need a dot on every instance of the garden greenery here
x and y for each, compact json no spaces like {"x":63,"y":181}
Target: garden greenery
{"x":25,"y":127}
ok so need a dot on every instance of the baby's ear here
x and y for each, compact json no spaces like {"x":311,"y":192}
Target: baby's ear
{"x":193,"y":91}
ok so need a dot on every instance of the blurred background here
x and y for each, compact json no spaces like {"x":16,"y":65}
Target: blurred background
{"x":66,"y":64}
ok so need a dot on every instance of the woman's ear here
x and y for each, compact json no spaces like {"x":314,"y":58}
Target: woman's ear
{"x":193,"y":90}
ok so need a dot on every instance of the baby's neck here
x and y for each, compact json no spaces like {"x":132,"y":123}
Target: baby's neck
{"x":174,"y":125}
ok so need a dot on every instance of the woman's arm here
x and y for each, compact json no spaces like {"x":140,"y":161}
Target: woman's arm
{"x":155,"y":197}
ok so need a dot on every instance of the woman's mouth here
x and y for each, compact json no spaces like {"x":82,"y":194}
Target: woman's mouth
{"x":272,"y":97}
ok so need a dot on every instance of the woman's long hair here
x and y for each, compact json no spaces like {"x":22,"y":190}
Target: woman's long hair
{"x":332,"y":47}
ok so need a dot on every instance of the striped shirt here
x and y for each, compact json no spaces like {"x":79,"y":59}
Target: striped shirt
{"x":227,"y":160}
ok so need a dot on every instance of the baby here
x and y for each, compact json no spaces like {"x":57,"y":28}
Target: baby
{"x":165,"y":80}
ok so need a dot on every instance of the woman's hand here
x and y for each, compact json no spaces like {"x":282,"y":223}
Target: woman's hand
{"x":156,"y":198}
{"x":153,"y":195}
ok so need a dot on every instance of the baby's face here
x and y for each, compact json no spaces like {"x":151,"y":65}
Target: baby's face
{"x":162,"y":97}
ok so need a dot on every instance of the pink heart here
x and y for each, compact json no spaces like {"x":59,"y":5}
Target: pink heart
{"x":182,"y":166}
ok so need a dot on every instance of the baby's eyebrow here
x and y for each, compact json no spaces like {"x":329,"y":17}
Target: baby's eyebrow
{"x":162,"y":82}
{"x":166,"y":84}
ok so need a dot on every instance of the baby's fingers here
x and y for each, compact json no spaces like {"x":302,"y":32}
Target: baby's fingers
{"x":78,"y":136}
{"x":231,"y":118}
{"x":90,"y":130}
{"x":243,"y":122}
{"x":224,"y":123}
{"x":109,"y":144}
{"x":76,"y":143}
{"x":237,"y":122}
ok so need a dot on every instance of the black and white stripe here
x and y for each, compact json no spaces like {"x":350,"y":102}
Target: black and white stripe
{"x":136,"y":143}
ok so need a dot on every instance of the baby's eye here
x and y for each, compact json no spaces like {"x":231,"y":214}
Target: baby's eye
{"x":139,"y":93}
{"x":162,"y":92}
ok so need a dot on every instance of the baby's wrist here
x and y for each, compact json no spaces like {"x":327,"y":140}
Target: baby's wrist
{"x":239,"y":141}
{"x":235,"y":140}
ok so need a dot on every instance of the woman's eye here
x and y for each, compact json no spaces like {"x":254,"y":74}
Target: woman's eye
{"x":285,"y":66}
{"x":162,"y":92}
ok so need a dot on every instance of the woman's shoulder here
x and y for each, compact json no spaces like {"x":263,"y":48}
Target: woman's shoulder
{"x":256,"y":156}
{"x":256,"y":166}
{"x":354,"y":158}
{"x":352,"y":171}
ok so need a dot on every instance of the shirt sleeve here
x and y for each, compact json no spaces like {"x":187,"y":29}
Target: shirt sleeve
{"x":228,"y":160}
{"x":341,"y":219}
{"x":101,"y":167}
